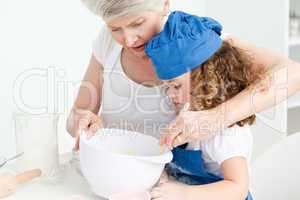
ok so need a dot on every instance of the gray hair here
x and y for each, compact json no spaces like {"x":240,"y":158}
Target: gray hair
{"x":109,"y":9}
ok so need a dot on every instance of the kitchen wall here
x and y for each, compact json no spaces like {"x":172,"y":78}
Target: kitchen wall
{"x":41,"y":40}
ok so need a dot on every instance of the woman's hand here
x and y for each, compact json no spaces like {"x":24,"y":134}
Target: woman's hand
{"x":82,"y":120}
{"x":193,"y":125}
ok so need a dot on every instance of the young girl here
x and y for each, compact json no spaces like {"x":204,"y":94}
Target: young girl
{"x":201,"y":69}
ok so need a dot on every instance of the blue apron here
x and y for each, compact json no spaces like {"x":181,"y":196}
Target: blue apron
{"x":188,"y":167}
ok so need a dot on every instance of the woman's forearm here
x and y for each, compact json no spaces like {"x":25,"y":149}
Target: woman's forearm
{"x":282,"y":82}
{"x":90,"y":92}
{"x":225,"y":190}
{"x":89,"y":96}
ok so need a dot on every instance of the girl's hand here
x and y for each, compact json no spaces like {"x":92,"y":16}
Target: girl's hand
{"x":193,"y":125}
{"x":83,"y":120}
{"x":170,"y":190}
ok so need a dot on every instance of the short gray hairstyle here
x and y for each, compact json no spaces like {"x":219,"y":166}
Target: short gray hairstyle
{"x":109,"y":9}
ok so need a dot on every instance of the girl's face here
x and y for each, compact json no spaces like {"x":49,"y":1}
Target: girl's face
{"x":178,"y":90}
{"x":133,"y":31}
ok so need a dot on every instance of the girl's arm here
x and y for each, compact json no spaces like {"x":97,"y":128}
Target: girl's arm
{"x":235,"y":185}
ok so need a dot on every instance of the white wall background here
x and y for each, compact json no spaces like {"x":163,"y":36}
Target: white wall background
{"x":41,"y":34}
{"x":190,"y":6}
{"x":55,"y":38}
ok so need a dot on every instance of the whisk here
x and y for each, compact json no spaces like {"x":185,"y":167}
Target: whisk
{"x":4,"y":161}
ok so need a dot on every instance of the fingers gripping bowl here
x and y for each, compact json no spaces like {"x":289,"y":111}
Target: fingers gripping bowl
{"x":116,"y":161}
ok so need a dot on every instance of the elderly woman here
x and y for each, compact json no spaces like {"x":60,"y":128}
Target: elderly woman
{"x":121,"y":80}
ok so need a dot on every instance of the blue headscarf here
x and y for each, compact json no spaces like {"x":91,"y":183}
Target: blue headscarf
{"x":186,"y":42}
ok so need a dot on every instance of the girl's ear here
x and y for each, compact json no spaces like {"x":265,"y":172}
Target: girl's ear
{"x":166,"y":8}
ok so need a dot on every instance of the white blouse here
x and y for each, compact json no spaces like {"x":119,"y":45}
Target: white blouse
{"x":232,"y":142}
{"x":125,"y":103}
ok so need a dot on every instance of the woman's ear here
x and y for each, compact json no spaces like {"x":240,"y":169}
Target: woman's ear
{"x":166,"y":8}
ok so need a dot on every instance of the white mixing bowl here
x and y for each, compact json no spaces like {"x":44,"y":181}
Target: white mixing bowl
{"x":116,"y":161}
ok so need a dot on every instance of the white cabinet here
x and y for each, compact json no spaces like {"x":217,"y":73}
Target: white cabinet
{"x":294,"y":43}
{"x":294,"y":53}
{"x":294,"y":23}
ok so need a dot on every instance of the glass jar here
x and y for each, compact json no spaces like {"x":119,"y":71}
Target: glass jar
{"x":36,"y":136}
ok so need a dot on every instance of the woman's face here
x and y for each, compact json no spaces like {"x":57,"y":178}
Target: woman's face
{"x":133,"y":31}
{"x":178,"y":90}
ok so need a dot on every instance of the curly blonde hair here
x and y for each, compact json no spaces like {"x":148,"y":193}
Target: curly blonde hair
{"x":224,"y":75}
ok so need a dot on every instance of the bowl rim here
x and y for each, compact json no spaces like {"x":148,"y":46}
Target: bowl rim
{"x":167,"y":155}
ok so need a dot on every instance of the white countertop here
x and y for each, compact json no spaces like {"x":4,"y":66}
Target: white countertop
{"x":70,"y":186}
